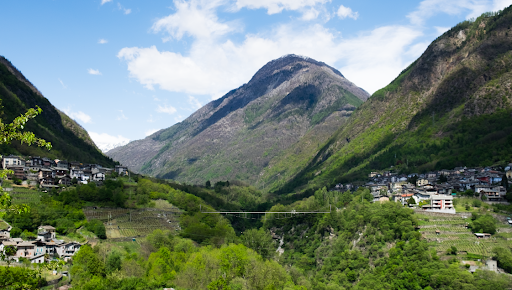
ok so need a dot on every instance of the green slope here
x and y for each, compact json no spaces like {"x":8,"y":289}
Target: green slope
{"x":451,"y":107}
{"x":70,"y":141}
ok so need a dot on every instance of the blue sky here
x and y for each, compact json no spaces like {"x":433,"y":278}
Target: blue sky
{"x":125,"y":69}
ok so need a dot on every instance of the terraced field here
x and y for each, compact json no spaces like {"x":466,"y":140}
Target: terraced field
{"x":128,"y":223}
{"x":25,"y":196}
{"x":453,"y":232}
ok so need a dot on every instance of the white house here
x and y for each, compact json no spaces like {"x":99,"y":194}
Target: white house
{"x":440,"y":203}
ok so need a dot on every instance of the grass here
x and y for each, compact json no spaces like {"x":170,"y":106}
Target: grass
{"x":3,"y":225}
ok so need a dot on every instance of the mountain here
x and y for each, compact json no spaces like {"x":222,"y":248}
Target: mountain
{"x":292,"y":104}
{"x":451,"y":107}
{"x":70,"y":140}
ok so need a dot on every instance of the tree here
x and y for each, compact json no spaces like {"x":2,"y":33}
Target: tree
{"x":452,"y":250}
{"x":504,"y":258}
{"x":208,"y":184}
{"x":13,"y":131}
{"x":259,"y":240}
{"x":484,"y":224}
{"x":442,"y":178}
{"x":411,"y":201}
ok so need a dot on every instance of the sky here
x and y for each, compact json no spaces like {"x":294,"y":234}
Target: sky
{"x":126,"y":69}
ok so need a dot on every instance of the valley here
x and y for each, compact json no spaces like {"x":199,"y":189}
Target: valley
{"x":298,"y":179}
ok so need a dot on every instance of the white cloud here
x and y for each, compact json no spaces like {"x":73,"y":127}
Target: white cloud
{"x":81,"y":116}
{"x":166,"y":109}
{"x":107,"y":142}
{"x":62,"y":83}
{"x":501,"y":4}
{"x":370,"y":60}
{"x":344,"y":12}
{"x":276,"y":6}
{"x":195,"y":18}
{"x":150,"y":132}
{"x":472,"y":8}
{"x":310,"y":14}
{"x":94,"y":72}
{"x":102,"y":41}
{"x":125,"y":10}
{"x":150,"y":120}
{"x":194,"y":102}
{"x":105,"y":1}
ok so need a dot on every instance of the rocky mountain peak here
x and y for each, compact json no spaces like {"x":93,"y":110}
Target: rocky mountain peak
{"x":291,"y":63}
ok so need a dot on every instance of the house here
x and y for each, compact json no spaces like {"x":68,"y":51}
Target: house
{"x":75,"y":165}
{"x":37,"y":161}
{"x":67,"y":251}
{"x":19,"y":171}
{"x":421,"y":195}
{"x":53,"y":247}
{"x":48,"y":162}
{"x":444,"y":188}
{"x":6,"y":232}
{"x":373,"y":174}
{"x":65,"y":180}
{"x":12,"y":160}
{"x":77,"y":173}
{"x":40,"y":248}
{"x":440,"y":203}
{"x":431,"y":175}
{"x":509,"y":174}
{"x":98,"y":176}
{"x":46,"y":233}
{"x":62,"y":163}
{"x":59,"y":171}
{"x":121,"y":170}
{"x":422,"y":182}
{"x":482,"y":235}
{"x":37,"y":259}
{"x":25,"y":250}
{"x":492,"y":192}
{"x":378,"y":188}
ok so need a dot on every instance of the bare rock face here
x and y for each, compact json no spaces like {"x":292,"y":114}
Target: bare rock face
{"x":239,"y":135}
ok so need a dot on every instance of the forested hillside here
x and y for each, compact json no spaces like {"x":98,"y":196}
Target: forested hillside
{"x":70,"y":141}
{"x":451,"y":107}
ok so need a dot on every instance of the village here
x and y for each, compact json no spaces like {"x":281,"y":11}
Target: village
{"x":434,"y":191}
{"x":47,"y":174}
{"x":45,"y":247}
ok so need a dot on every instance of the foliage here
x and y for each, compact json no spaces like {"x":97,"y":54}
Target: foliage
{"x":259,"y":240}
{"x":484,"y":224}
{"x":97,"y":227}
{"x":504,"y":258}
{"x":175,"y":262}
{"x":20,"y":278}
{"x":414,"y":128}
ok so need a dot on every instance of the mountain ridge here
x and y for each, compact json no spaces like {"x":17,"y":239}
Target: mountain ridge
{"x":70,"y":140}
{"x":449,"y":108}
{"x":290,"y":95}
